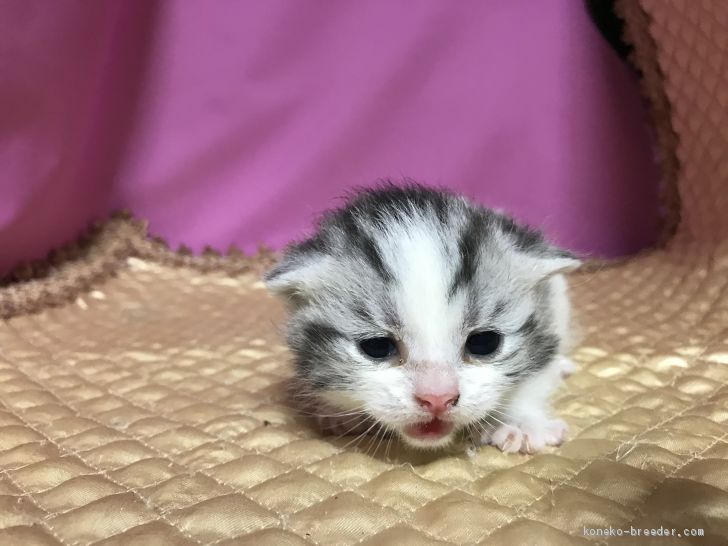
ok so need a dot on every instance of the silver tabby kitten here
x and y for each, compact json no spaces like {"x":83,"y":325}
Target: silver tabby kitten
{"x":429,"y":314}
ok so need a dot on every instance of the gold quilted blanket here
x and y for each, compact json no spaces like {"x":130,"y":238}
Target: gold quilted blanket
{"x":143,"y":392}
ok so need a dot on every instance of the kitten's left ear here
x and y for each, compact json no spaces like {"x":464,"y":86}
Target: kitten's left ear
{"x":550,"y":262}
{"x":297,"y":276}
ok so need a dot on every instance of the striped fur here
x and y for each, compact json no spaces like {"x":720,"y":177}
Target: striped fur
{"x":425,"y":268}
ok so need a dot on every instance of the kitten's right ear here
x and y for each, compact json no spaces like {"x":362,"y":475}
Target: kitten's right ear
{"x":297,"y":276}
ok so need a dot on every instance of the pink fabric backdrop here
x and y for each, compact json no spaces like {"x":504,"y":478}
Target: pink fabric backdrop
{"x":236,"y":122}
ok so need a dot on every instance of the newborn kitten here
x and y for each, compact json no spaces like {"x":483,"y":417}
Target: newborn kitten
{"x":429,"y":314}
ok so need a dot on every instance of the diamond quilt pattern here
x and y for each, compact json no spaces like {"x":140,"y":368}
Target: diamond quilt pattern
{"x":153,"y":408}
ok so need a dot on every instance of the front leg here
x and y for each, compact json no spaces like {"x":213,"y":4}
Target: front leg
{"x":529,"y":435}
{"x":525,"y":424}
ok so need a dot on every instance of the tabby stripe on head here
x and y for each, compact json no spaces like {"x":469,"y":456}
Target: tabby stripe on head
{"x":529,"y":327}
{"x":370,"y":250}
{"x":367,"y":248}
{"x":499,"y":308}
{"x":321,"y":333}
{"x":308,"y":349}
{"x":360,"y":310}
{"x":468,"y":252}
{"x":525,"y":238}
{"x":441,"y":211}
{"x":472,"y":310}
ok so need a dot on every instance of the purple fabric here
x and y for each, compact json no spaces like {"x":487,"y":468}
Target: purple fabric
{"x":234,"y":122}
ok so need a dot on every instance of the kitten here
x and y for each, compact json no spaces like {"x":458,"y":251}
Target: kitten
{"x":429,"y":315}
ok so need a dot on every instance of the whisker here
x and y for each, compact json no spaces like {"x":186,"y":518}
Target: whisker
{"x":352,"y":418}
{"x":480,"y":428}
{"x":333,"y":413}
{"x":373,"y":442}
{"x":389,"y":444}
{"x":353,"y":428}
{"x":384,"y":435}
{"x":362,"y":435}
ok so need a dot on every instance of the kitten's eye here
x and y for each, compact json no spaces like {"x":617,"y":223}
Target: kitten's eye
{"x":483,"y":343}
{"x":378,"y":347}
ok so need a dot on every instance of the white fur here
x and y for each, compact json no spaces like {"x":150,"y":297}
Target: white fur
{"x":525,"y":423}
{"x":421,"y":298}
{"x":432,"y":332}
{"x":513,"y":419}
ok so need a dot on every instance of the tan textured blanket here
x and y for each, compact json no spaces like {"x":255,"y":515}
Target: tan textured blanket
{"x":142,"y":393}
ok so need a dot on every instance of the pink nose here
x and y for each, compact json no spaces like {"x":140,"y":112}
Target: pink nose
{"x":437,"y":403}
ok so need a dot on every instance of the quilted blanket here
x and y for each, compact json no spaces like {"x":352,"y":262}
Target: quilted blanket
{"x":143,"y":393}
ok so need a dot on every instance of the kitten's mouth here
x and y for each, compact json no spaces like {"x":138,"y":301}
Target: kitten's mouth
{"x":434,"y":429}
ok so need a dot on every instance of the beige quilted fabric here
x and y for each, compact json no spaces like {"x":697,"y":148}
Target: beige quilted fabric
{"x":151,"y":409}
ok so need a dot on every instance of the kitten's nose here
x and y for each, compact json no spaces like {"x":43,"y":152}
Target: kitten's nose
{"x":437,"y":403}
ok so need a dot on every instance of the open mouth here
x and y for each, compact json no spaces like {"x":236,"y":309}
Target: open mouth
{"x":429,"y":430}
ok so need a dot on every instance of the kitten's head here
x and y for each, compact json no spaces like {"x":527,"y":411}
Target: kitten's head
{"x":418,"y":308}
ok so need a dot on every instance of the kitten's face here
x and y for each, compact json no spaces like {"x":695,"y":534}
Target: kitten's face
{"x":419,"y":310}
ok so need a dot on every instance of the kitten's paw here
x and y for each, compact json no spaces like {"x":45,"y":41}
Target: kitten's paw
{"x":555,"y":432}
{"x":528,"y":437}
{"x":566,"y":366}
{"x":507,"y":438}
